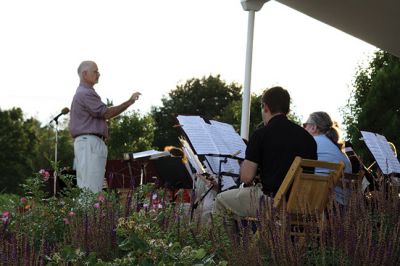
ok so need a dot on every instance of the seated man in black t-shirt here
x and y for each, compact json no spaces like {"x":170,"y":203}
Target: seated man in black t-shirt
{"x":271,"y":149}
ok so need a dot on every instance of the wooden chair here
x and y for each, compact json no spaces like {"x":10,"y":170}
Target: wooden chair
{"x":304,"y":194}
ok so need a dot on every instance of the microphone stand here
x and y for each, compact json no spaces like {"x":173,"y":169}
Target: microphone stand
{"x":55,"y":158}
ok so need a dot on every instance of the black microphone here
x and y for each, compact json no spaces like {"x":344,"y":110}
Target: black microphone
{"x":64,"y":111}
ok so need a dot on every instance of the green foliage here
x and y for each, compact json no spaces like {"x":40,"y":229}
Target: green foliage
{"x":129,"y":133}
{"x":373,"y":104}
{"x":82,"y":228}
{"x":7,"y":200}
{"x":155,"y":238}
{"x":18,"y":142}
{"x":44,"y":158}
{"x":28,"y":147}
{"x":211,"y":98}
{"x":233,"y":113}
{"x":208,"y":97}
{"x":71,"y":256}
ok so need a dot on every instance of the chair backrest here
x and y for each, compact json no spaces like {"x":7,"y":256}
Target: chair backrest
{"x":309,"y":191}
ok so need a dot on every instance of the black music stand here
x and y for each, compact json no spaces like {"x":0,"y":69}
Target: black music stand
{"x":173,"y":173}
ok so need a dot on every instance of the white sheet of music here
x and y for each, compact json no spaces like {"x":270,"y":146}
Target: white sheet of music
{"x":152,"y":154}
{"x":227,"y":181}
{"x":192,"y":158}
{"x":231,"y":166}
{"x":198,"y":132}
{"x":227,"y":137}
{"x":383,"y":154}
{"x":216,"y":138}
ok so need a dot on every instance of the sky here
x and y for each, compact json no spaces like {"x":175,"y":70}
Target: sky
{"x":152,"y":46}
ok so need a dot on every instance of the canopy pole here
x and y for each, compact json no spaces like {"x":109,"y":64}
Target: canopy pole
{"x":251,"y":6}
{"x":246,"y":102}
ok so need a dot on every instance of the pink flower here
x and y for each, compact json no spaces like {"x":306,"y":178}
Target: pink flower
{"x":101,"y":198}
{"x":44,"y":174}
{"x":23,"y":200}
{"x":66,"y":221}
{"x":5,"y":217}
{"x":97,"y":205}
{"x":71,"y":214}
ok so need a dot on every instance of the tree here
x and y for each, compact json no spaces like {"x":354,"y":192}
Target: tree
{"x":233,"y":114}
{"x":207,"y":97}
{"x":28,"y":147}
{"x":46,"y":150}
{"x":374,"y":102}
{"x":130,"y":133}
{"x":18,"y":142}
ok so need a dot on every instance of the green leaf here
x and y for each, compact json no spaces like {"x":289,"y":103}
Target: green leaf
{"x":68,"y":253}
{"x":200,"y":253}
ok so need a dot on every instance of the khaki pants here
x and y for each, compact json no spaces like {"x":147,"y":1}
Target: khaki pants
{"x":90,"y":162}
{"x":241,"y":202}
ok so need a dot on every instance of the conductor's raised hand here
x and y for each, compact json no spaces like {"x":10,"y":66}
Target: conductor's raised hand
{"x":134,"y":97}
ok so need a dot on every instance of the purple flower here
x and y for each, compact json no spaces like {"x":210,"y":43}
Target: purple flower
{"x":66,"y":221}
{"x":97,"y":205}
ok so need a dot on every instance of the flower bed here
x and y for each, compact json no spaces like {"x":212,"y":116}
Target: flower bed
{"x":81,"y":228}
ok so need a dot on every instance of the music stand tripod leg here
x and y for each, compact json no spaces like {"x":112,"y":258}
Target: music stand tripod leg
{"x":222,"y":161}
{"x":195,"y":204}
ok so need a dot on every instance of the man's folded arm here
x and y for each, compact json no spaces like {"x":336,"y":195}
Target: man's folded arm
{"x":248,"y":171}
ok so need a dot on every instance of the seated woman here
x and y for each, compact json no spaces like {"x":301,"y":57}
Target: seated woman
{"x":329,"y":148}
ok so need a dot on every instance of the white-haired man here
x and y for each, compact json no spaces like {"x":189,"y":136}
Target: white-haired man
{"x":89,"y":128}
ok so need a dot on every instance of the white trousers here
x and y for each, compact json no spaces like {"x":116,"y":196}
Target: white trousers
{"x":90,"y":162}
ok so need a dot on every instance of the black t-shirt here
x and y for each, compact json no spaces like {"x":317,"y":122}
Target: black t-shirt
{"x":274,"y":148}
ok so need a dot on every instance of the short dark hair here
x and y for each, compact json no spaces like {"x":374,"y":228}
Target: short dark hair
{"x":277,"y":99}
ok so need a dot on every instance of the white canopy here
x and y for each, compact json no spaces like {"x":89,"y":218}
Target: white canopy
{"x":374,"y":21}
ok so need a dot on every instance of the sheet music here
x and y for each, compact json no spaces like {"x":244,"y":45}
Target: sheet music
{"x":216,"y":138}
{"x":151,"y":154}
{"x":226,"y":181}
{"x":383,"y":154}
{"x":198,"y":132}
{"x":192,"y":158}
{"x":231,"y":166}
{"x":228,"y":138}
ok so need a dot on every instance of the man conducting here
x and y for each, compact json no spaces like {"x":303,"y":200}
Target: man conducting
{"x":88,"y":127}
{"x":271,"y":149}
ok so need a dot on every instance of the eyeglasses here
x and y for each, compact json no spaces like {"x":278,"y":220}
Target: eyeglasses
{"x":305,"y":124}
